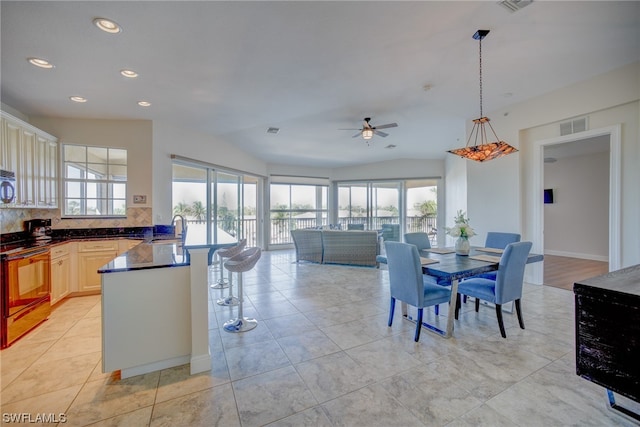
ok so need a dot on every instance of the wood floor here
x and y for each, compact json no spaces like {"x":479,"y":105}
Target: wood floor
{"x":563,"y":272}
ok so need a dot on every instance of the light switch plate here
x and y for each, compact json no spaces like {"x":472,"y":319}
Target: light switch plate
{"x":139,"y":199}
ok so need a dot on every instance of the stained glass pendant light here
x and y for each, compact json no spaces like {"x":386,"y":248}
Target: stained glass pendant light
{"x":483,"y":150}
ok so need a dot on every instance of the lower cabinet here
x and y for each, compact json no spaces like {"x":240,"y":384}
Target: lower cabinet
{"x":91,"y":256}
{"x":60,"y":271}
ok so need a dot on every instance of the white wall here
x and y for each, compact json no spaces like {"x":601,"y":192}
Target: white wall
{"x":392,"y":169}
{"x":576,"y":224}
{"x":607,"y":99}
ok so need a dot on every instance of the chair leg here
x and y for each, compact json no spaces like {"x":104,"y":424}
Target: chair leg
{"x":457,"y":308}
{"x":437,"y":309}
{"x":418,"y":325}
{"x":500,"y":323}
{"x":477,"y":304}
{"x":519,"y":312}
{"x":391,"y":310}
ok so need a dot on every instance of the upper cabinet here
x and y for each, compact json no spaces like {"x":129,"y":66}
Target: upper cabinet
{"x":33,"y":155}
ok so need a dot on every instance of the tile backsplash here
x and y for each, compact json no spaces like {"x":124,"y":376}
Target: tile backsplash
{"x":12,"y":219}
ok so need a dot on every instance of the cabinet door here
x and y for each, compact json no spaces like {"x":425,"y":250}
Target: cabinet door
{"x":47,"y":172}
{"x":9,"y":149}
{"x":88,"y":265}
{"x":26,"y":175}
{"x":60,"y":278}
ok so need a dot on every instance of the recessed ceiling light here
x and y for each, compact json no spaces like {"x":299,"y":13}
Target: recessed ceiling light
{"x":144,"y":103}
{"x":107,"y":25}
{"x":42,"y":63}
{"x":129,"y":73}
{"x":78,"y":99}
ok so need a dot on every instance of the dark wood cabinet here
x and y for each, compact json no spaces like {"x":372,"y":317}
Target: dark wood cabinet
{"x":608,"y":331}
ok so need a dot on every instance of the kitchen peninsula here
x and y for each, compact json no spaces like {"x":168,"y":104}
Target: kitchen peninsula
{"x":155,"y":306}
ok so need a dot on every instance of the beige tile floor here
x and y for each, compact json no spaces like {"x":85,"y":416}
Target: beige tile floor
{"x":322,"y":355}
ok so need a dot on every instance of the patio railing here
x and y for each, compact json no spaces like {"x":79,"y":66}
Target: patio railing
{"x":281,"y":228}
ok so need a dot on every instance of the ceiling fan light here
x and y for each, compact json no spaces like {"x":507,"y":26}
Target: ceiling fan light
{"x":367,"y":134}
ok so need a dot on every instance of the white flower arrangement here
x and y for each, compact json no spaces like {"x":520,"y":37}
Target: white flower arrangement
{"x":462,"y":227}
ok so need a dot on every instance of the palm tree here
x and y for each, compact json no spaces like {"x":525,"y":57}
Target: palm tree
{"x":198,"y":211}
{"x":182,"y":209}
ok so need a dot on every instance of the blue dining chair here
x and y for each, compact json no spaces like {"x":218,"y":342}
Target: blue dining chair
{"x":507,"y":286}
{"x":419,"y":239}
{"x":495,"y":240}
{"x":498,"y":240}
{"x":408,"y":284}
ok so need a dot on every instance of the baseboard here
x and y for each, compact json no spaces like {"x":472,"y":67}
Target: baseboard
{"x":577,"y":255}
{"x":154,"y":366}
{"x":200,"y":363}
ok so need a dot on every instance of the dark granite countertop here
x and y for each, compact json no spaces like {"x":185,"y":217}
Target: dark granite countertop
{"x":148,"y":255}
{"x":14,"y":243}
{"x":163,"y":254}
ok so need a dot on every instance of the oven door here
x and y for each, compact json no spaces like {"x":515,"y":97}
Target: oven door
{"x":28,"y":280}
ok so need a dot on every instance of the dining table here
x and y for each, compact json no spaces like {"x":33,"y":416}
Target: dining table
{"x":449,"y":268}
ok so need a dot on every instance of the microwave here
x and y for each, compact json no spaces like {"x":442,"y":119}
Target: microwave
{"x":7,"y":186}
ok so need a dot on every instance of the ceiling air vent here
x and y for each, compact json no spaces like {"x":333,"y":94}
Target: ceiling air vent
{"x":273,"y":130}
{"x":573,"y":126}
{"x":514,"y":5}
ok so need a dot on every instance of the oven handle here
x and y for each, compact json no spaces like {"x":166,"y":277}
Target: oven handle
{"x":29,"y":254}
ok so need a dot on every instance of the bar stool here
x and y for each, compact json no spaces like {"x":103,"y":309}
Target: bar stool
{"x":223,"y":253}
{"x":240,"y":263}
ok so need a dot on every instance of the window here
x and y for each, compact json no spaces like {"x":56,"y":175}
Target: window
{"x":294,"y":207}
{"x":95,"y":181}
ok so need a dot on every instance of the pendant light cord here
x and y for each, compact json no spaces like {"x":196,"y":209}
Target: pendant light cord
{"x":480,"y":41}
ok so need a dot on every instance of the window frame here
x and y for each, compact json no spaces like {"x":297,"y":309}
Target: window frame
{"x":106,"y":183}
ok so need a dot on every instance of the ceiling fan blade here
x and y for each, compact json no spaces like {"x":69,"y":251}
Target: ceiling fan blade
{"x":388,"y":125}
{"x":349,"y":129}
{"x":382,"y":134}
{"x":357,"y":135}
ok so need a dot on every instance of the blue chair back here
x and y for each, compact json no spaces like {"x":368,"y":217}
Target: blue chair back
{"x":511,"y":272}
{"x":419,"y":239}
{"x":405,"y":273}
{"x":355,"y":226}
{"x":498,"y":240}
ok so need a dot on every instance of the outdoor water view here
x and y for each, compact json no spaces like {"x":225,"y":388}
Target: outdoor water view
{"x":233,"y":209}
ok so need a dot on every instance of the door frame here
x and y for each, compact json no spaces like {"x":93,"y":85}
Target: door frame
{"x":615,"y":191}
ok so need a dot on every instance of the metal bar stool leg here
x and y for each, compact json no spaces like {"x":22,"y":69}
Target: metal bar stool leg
{"x":230,"y":299}
{"x":240,"y":323}
{"x":221,"y":283}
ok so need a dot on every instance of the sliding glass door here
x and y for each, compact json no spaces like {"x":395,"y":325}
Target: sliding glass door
{"x":373,"y":205}
{"x":393,"y":207}
{"x":219,"y":204}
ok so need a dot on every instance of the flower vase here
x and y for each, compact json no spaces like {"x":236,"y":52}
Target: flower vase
{"x":462,"y":246}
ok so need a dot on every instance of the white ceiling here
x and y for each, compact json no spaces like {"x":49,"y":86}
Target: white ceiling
{"x":310,"y":68}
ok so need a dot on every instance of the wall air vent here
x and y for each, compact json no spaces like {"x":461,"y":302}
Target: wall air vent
{"x":273,"y":130}
{"x":573,"y":126}
{"x":514,"y":5}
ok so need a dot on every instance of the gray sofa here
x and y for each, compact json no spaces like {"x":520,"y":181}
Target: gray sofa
{"x":337,"y":247}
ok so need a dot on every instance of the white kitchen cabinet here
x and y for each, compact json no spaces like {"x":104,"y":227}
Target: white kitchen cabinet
{"x":91,"y":256}
{"x":47,"y":172}
{"x":60,"y":272}
{"x":33,"y":156}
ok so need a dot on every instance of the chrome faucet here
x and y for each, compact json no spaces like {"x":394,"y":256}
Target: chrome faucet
{"x":183,"y":225}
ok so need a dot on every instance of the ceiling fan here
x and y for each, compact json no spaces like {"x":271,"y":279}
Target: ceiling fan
{"x":367,"y":131}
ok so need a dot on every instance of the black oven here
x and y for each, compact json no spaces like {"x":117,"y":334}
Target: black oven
{"x":24,"y":293}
